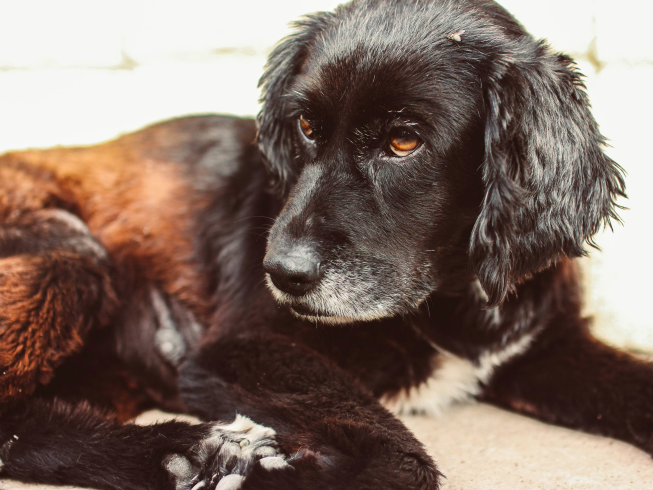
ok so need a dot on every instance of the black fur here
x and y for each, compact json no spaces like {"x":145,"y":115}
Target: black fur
{"x":463,"y":245}
{"x":549,"y":186}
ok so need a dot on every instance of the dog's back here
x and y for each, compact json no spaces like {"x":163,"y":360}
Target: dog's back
{"x":86,"y":229}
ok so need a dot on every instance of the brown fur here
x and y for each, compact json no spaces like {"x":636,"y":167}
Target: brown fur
{"x":43,"y":315}
{"x":138,"y":208}
{"x":140,"y":213}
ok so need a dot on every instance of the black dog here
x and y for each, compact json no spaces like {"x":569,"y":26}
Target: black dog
{"x":436,"y":170}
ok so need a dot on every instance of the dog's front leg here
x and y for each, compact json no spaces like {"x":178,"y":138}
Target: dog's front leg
{"x":570,"y":378}
{"x":49,"y":441}
{"x":334,"y":434}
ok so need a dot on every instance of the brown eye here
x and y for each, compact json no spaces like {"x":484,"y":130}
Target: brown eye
{"x":306,"y":128}
{"x":403,"y":141}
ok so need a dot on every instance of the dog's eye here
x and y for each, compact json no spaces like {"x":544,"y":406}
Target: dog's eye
{"x":306,"y":128}
{"x":403,"y":141}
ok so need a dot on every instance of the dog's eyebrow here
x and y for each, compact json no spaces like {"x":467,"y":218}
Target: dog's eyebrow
{"x":296,"y":102}
{"x":412,"y":112}
{"x":296,"y":96}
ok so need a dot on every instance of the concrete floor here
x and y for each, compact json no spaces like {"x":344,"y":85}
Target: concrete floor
{"x":480,"y":447}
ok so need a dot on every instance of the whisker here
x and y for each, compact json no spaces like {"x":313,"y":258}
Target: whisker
{"x":255,"y":217}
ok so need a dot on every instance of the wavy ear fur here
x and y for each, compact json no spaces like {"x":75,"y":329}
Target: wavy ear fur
{"x":275,"y":129}
{"x":549,"y":186}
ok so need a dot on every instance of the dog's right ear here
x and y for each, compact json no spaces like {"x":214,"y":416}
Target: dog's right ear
{"x":549,"y":185}
{"x":275,"y":128}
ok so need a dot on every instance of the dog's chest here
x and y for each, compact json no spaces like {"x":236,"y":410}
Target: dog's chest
{"x":454,"y":379}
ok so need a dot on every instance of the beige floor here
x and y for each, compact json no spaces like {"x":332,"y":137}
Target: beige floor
{"x":479,"y":447}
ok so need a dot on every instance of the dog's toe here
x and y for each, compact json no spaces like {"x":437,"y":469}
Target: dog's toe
{"x":274,"y":463}
{"x":230,"y":482}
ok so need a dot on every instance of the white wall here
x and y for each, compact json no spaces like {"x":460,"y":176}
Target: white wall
{"x":81,"y":71}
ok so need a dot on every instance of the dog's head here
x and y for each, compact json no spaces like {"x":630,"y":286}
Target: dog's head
{"x":421,"y":145}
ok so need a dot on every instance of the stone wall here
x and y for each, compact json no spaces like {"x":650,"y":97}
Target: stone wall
{"x":81,"y":71}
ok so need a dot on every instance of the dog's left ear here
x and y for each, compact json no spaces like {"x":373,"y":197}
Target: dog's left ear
{"x":275,"y":129}
{"x":548,"y":185}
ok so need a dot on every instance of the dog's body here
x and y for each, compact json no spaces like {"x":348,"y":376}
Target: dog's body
{"x":436,"y":175}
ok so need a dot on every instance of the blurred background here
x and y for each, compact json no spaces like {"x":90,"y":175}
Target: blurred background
{"x":83,"y":71}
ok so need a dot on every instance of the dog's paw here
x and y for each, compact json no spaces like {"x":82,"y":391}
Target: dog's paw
{"x":224,"y":458}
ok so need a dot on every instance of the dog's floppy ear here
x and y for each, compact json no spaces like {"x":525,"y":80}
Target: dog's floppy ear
{"x":275,"y":129}
{"x":548,"y":185}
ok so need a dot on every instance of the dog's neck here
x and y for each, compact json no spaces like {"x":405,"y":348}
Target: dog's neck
{"x":464,"y":326}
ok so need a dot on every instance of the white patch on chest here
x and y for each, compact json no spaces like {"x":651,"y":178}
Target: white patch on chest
{"x":455,"y":379}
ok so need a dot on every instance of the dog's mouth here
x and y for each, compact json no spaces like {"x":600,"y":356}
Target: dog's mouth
{"x":299,"y":308}
{"x":339,"y":300}
{"x":306,"y":312}
{"x":302,"y":310}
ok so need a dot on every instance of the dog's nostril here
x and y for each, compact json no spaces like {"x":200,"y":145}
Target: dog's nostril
{"x":297,"y":281}
{"x":295,"y":271}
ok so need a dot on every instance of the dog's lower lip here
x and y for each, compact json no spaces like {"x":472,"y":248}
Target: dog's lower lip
{"x":303,"y":310}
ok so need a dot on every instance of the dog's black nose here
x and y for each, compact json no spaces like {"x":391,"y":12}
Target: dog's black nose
{"x":295,"y":270}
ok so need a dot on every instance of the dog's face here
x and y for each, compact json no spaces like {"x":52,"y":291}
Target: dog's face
{"x":407,"y":136}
